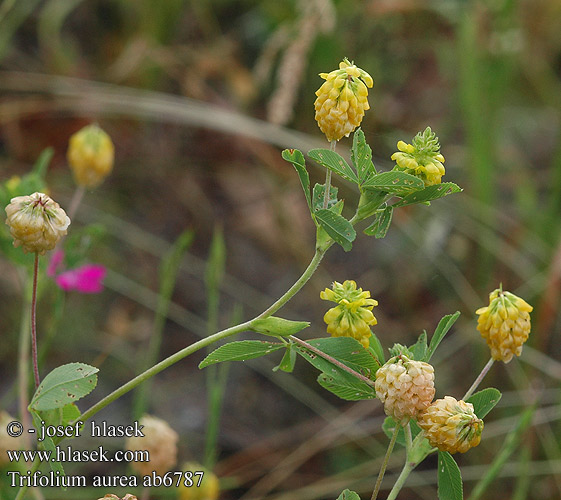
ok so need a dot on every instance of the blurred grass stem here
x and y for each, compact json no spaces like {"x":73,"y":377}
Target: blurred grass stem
{"x":75,"y":202}
{"x":479,"y":379}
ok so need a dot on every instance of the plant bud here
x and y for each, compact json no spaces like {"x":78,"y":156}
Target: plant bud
{"x":504,"y":324}
{"x":160,"y":440}
{"x":422,"y":158}
{"x":90,"y":154}
{"x":451,"y":425}
{"x":342,"y":100}
{"x":353,"y":314}
{"x":405,"y":386}
{"x":36,"y":222}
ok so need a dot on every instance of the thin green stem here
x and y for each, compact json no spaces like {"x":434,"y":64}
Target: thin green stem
{"x":35,"y":467}
{"x":385,"y":463}
{"x":34,"y":322}
{"x":23,"y":359}
{"x":408,"y":437}
{"x":332,"y":146}
{"x":162,"y":365}
{"x":479,"y":378}
{"x":407,"y":468}
{"x":76,"y":200}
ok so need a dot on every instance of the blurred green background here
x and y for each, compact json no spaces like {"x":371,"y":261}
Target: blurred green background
{"x":199,"y":98}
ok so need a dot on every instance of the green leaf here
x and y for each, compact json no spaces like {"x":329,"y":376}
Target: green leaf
{"x":348,"y":495}
{"x":48,"y":444}
{"x":381,"y":224}
{"x":334,"y":162}
{"x":240,"y":351}
{"x":278,"y":327}
{"x":361,"y":156}
{"x":395,"y":182}
{"x":484,"y":401}
{"x":288,"y":360}
{"x":441,"y":330}
{"x":449,"y":478}
{"x":65,"y":384}
{"x":419,"y":348}
{"x":346,"y":389}
{"x":60,"y":416}
{"x":318,"y":195}
{"x":389,"y":427}
{"x":337,"y":227}
{"x":296,"y":157}
{"x":350,"y":352}
{"x":377,"y":349}
{"x":429,"y":193}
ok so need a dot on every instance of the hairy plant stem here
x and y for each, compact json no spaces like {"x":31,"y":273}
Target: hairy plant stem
{"x":332,"y":146}
{"x":479,"y":379}
{"x":34,"y":322}
{"x":385,"y":463}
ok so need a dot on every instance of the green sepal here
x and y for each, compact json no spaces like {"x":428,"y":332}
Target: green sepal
{"x":334,"y":162}
{"x":296,"y":157}
{"x":277,"y":327}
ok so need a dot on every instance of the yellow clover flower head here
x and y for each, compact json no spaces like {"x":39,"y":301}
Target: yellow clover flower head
{"x":422,"y":158}
{"x":90,"y":154}
{"x":36,"y":222}
{"x":342,"y":100}
{"x":209,"y":488}
{"x":451,"y":425}
{"x":405,"y":386}
{"x":504,"y":324}
{"x":160,"y":440}
{"x":353,"y":314}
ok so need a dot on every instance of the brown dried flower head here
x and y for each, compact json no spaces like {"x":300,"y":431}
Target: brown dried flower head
{"x":36,"y":222}
{"x":160,"y":440}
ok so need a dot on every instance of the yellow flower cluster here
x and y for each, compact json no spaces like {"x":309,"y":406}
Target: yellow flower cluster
{"x":160,"y":440}
{"x":342,"y":100}
{"x":504,"y":324}
{"x":353,"y":314}
{"x":422,"y":158}
{"x":209,"y":488}
{"x":90,"y":155}
{"x":36,"y":222}
{"x":405,"y":386}
{"x":451,"y":425}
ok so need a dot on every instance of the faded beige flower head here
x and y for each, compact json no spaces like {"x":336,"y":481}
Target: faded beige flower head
{"x":160,"y":440}
{"x":36,"y":222}
{"x":91,"y":155}
{"x":505,"y":324}
{"x":451,"y":425}
{"x":342,"y":100}
{"x":405,"y":386}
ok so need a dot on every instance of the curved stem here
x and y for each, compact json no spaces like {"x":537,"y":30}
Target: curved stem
{"x":34,"y":322}
{"x":385,"y":463}
{"x":479,"y":379}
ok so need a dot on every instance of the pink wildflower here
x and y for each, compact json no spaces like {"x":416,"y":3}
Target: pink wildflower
{"x":84,"y":279}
